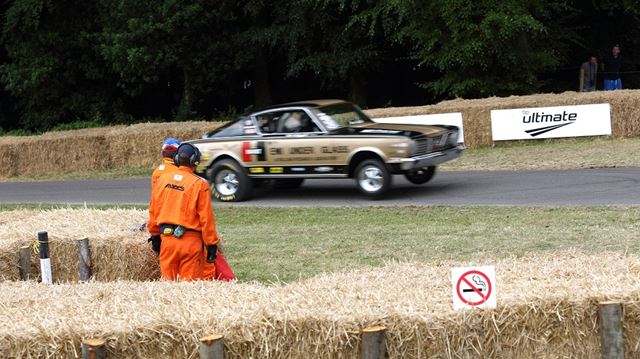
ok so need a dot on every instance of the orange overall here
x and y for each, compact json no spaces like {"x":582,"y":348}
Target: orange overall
{"x":182,"y":198}
{"x":166,"y":166}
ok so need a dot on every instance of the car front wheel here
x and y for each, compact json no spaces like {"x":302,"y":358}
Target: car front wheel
{"x":421,"y":175}
{"x":372,"y":178}
{"x":229,"y":182}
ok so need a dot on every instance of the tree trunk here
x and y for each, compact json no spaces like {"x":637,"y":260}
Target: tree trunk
{"x":261,"y":85}
{"x":186,"y":102}
{"x":358,"y":89}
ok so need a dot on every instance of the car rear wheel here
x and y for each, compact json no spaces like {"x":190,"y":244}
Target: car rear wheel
{"x":229,"y":182}
{"x":421,"y":175}
{"x":372,"y":178}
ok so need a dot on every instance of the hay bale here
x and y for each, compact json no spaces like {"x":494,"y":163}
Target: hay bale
{"x":8,"y":160}
{"x":117,"y":252}
{"x":93,"y":149}
{"x":55,"y":152}
{"x":476,"y":114}
{"x":139,"y":145}
{"x":547,"y":307}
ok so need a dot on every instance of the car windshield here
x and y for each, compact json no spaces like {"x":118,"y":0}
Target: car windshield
{"x":341,"y":115}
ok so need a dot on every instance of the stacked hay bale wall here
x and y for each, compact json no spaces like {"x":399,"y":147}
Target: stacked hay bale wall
{"x":476,"y":114}
{"x":547,"y":308}
{"x":92,"y":149}
{"x":119,"y":251}
{"x":137,"y":145}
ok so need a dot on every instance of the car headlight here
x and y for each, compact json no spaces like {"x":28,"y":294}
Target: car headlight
{"x":404,"y":148}
{"x":453,"y":138}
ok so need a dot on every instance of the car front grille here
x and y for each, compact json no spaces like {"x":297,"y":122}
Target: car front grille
{"x":425,"y":144}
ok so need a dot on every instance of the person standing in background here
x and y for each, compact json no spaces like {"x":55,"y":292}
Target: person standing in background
{"x":590,"y":74}
{"x":180,"y":214}
{"x":611,"y":68}
{"x":168,"y":150}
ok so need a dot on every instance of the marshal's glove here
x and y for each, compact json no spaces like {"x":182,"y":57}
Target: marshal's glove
{"x":155,"y":243}
{"x":211,"y":253}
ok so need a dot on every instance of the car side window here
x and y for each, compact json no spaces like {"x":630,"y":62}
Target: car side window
{"x":296,"y":122}
{"x":268,"y":122}
{"x":230,"y":130}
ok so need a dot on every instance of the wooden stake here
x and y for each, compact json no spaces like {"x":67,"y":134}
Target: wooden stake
{"x":93,"y":349}
{"x":25,"y":262}
{"x":373,"y":342}
{"x":581,"y":80}
{"x":611,"y":336}
{"x":211,"y":347}
{"x":84,"y":260}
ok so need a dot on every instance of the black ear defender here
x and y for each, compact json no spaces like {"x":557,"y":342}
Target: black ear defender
{"x":194,"y":159}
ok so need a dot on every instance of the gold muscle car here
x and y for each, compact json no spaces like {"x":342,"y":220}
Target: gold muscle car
{"x":289,"y":143}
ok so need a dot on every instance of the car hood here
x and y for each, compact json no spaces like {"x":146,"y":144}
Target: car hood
{"x":398,"y":129}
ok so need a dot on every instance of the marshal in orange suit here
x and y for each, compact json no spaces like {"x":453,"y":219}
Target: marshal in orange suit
{"x":180,"y":214}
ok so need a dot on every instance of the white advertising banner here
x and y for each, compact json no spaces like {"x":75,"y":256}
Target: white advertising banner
{"x":450,"y":119}
{"x":551,"y":122}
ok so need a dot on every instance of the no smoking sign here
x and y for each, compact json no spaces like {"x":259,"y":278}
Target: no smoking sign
{"x":473,"y":287}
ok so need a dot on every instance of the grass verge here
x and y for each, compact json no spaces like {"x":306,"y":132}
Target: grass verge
{"x":287,"y":244}
{"x":585,"y":152}
{"x":270,"y":243}
{"x":112,"y":173}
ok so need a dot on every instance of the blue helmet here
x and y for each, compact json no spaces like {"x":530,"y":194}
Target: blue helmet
{"x":170,"y":147}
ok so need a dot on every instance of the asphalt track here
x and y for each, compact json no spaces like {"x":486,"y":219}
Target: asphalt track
{"x":615,"y":186}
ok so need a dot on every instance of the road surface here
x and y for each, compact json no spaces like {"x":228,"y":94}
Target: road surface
{"x":615,"y":186}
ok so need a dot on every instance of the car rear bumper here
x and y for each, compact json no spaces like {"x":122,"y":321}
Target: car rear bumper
{"x":430,"y":159}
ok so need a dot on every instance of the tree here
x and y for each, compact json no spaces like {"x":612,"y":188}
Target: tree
{"x":330,"y":39}
{"x":53,"y":70}
{"x":485,"y":47}
{"x":149,"y":43}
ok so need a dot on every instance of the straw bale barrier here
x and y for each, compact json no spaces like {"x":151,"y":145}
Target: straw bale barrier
{"x":138,"y":145}
{"x":92,"y":149}
{"x":117,"y":251}
{"x":476,"y":114}
{"x":547,"y":308}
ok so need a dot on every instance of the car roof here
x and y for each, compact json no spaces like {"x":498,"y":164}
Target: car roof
{"x":309,"y":103}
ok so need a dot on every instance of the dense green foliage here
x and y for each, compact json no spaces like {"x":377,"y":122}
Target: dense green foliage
{"x":117,"y":61}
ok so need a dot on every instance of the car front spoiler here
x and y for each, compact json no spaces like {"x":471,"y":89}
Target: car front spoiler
{"x":430,"y":159}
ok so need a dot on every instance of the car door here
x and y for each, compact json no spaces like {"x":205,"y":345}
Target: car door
{"x":294,"y":143}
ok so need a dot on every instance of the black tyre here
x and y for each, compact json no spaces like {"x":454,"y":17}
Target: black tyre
{"x":229,"y":182}
{"x":422,"y":175}
{"x":288,"y":183}
{"x":372,"y":178}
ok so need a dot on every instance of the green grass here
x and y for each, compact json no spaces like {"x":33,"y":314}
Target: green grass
{"x":585,"y":152}
{"x":269,"y":244}
{"x":287,"y":244}
{"x":113,"y":173}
